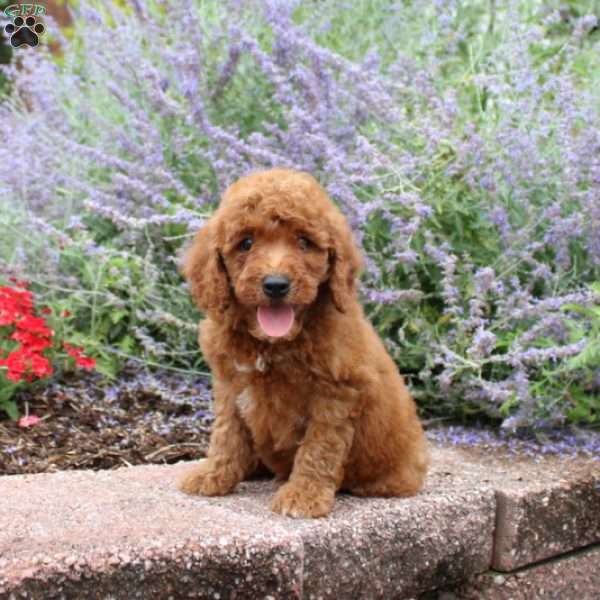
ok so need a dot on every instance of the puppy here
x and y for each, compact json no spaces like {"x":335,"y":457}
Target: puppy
{"x":302,"y":383}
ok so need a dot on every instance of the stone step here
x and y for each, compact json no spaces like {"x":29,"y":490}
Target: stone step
{"x":130,"y":533}
{"x":550,"y":512}
{"x":574,"y":576}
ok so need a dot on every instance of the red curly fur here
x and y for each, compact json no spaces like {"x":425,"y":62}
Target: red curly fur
{"x":323,"y":407}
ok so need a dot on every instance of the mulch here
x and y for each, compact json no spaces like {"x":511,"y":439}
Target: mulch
{"x":90,"y":422}
{"x":162,"y":417}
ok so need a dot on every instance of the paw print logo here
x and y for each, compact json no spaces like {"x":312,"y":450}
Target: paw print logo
{"x":24,"y":31}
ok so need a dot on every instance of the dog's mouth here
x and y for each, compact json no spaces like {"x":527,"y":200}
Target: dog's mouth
{"x":276,"y":320}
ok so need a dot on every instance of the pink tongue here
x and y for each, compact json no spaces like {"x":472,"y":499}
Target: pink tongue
{"x":276,"y":321}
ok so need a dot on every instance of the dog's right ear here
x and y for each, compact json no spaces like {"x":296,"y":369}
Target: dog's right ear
{"x":205,"y":271}
{"x":345,"y":264}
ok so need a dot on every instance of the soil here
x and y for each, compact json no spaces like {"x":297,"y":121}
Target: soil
{"x":90,"y":422}
{"x":158,"y":417}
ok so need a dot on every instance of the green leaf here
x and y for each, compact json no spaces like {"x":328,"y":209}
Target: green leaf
{"x":106,"y":368}
{"x":508,"y":404}
{"x":588,"y":312}
{"x":10,"y":408}
{"x":7,"y":390}
{"x":117,"y":315}
{"x":127,"y":344}
{"x":588,"y":357}
{"x":579,"y":413}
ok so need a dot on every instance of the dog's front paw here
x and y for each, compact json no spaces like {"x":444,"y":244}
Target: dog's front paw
{"x":300,"y":500}
{"x":206,"y":480}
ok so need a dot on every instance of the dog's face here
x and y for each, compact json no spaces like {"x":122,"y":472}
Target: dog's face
{"x":275,"y":268}
{"x":274,"y":243}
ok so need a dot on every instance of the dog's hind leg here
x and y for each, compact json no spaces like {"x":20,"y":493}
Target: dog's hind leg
{"x":404,"y":481}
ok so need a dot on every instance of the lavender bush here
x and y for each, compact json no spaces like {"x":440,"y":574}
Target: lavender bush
{"x":461,"y":140}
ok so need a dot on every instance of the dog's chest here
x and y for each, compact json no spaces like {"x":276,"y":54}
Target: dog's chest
{"x":275,"y":405}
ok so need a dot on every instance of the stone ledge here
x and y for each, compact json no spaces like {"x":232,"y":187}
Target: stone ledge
{"x":544,"y":519}
{"x":130,"y":534}
{"x":566,"y":577}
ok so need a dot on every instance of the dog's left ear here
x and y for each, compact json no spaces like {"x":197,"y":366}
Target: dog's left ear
{"x":205,"y":272}
{"x":345,"y":264}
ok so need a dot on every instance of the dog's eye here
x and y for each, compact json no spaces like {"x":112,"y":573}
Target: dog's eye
{"x":304,"y":242}
{"x":246,"y":244}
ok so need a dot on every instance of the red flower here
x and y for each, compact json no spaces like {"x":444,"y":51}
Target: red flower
{"x":71,"y":350}
{"x":80,"y":360}
{"x":30,"y":341}
{"x":21,"y":361}
{"x":26,"y":361}
{"x":40,"y":365}
{"x":6,"y":318}
{"x":28,"y":421}
{"x":16,"y":366}
{"x":86,"y":362}
{"x":19,"y":282}
{"x":21,"y":299}
{"x":66,"y":313}
{"x":14,"y":304}
{"x":34,"y":325}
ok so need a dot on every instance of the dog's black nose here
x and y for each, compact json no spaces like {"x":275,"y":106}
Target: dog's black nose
{"x":276,"y":286}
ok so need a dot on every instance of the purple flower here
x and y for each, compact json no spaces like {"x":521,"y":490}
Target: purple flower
{"x":476,"y":206}
{"x":483,"y":345}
